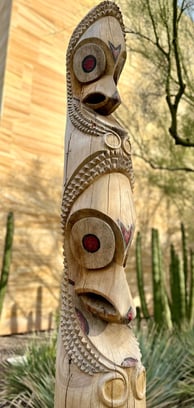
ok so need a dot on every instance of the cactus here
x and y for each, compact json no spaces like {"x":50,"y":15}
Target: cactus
{"x":162,"y":315}
{"x":6,"y":258}
{"x":140,"y":279}
{"x":191,"y":297}
{"x":185,"y":265}
{"x":179,"y":310}
{"x":156,"y":277}
{"x":177,"y":287}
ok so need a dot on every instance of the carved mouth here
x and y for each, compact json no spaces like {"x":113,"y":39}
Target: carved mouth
{"x":99,"y":306}
{"x":100,"y":103}
{"x":95,"y":99}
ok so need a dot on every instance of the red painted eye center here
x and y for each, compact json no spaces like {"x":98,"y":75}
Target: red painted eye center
{"x":89,"y":63}
{"x":91,"y":243}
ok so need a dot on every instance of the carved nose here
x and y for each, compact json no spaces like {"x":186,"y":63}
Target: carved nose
{"x":101,"y":103}
{"x":102,"y":96}
{"x":106,"y":294}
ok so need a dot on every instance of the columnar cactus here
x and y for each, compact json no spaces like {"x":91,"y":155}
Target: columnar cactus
{"x":6,"y":258}
{"x":140,"y":277}
{"x":176,"y":307}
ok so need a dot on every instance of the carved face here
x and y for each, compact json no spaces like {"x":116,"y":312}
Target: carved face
{"x":97,"y":62}
{"x":99,"y":239}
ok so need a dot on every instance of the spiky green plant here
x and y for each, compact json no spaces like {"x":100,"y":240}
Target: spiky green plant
{"x":140,"y":278}
{"x":178,"y":291}
{"x":169,"y":366}
{"x":30,"y":381}
{"x":6,"y":258}
{"x":185,"y":265}
{"x":182,"y":284}
{"x":157,"y":279}
{"x":191,"y":294}
{"x":168,"y":357}
{"x":178,"y":308}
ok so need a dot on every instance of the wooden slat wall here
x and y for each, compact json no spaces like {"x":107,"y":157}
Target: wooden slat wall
{"x":31,"y":154}
{"x":5,"y":12}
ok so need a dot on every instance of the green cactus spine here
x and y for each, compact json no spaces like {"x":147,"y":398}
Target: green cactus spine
{"x":140,"y":278}
{"x":191,"y":297}
{"x":6,"y":258}
{"x":177,"y":286}
{"x":162,"y":315}
{"x":185,"y":266}
{"x":178,"y":309}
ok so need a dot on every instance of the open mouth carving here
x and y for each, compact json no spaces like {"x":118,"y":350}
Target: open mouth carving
{"x":94,"y":99}
{"x":99,"y":306}
{"x":100,"y":103}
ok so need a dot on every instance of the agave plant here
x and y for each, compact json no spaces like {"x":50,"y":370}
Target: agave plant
{"x":168,"y":357}
{"x":29,"y":382}
{"x":169,"y":361}
{"x":186,"y":388}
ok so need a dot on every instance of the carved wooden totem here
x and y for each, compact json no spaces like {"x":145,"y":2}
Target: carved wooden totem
{"x":98,"y":358}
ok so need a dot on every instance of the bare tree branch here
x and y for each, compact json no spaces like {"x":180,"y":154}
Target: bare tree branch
{"x":156,"y":166}
{"x":173,"y":68}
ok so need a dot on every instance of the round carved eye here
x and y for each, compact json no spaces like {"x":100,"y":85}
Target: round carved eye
{"x":89,"y":62}
{"x":92,"y":242}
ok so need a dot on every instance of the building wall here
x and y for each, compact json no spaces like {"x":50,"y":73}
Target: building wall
{"x":31,"y":155}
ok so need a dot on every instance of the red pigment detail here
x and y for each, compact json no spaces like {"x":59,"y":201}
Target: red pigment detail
{"x":89,"y":63}
{"x":91,"y":243}
{"x":83,"y":322}
{"x":130,"y":315}
{"x":127,"y":232}
{"x":129,"y":362}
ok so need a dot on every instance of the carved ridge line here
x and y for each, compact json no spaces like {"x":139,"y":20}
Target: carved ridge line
{"x":78,"y":348}
{"x":85,"y":124}
{"x":107,"y":162}
{"x":106,"y":8}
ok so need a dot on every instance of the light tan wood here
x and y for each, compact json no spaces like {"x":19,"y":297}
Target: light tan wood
{"x":98,"y":357}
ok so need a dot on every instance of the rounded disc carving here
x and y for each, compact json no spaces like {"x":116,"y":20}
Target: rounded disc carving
{"x":92,"y":242}
{"x":89,"y":62}
{"x":112,"y":140}
{"x":138,"y":383}
{"x":113,"y":390}
{"x":127,"y":145}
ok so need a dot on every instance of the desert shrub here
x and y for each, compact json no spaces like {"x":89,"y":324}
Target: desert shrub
{"x":168,"y":357}
{"x":29,"y":381}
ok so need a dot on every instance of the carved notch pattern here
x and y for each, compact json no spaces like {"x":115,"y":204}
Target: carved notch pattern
{"x":80,"y":119}
{"x":78,"y":347}
{"x":102,"y":163}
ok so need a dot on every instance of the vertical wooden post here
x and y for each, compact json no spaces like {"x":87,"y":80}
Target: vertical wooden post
{"x":98,"y":357}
